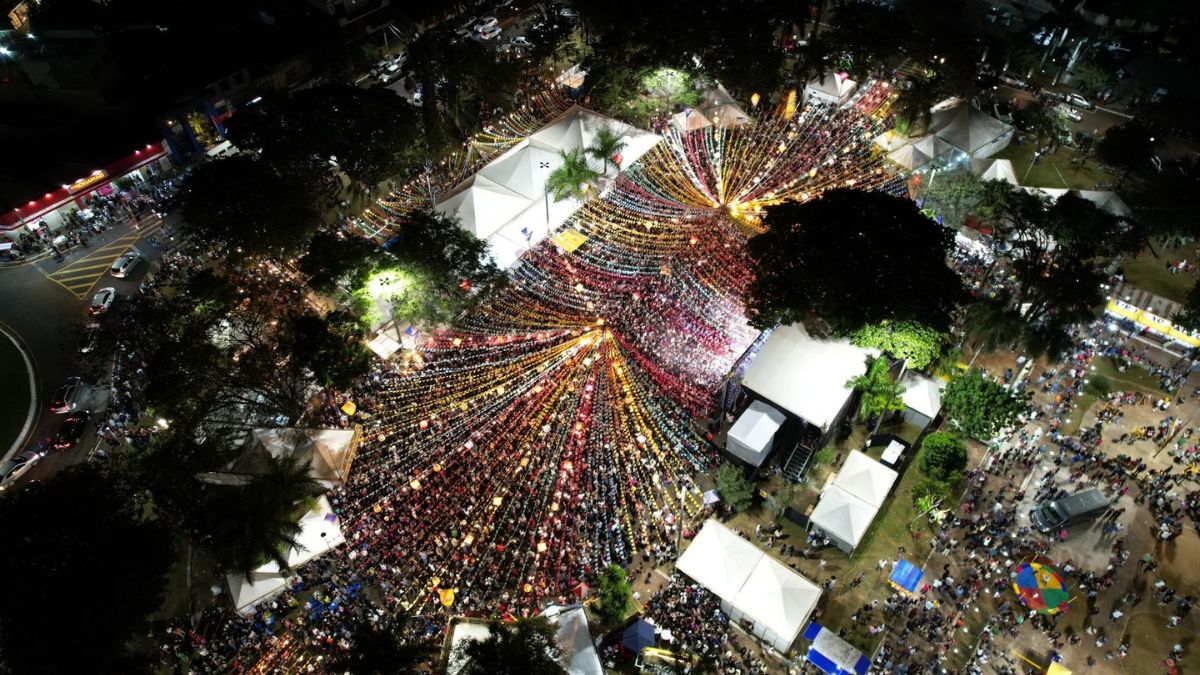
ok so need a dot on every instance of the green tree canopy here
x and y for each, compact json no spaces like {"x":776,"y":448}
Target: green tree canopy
{"x":1057,"y":251}
{"x":378,"y":649}
{"x":880,"y":393}
{"x":954,"y":195}
{"x":372,"y":132}
{"x":524,"y":647}
{"x":332,"y":257}
{"x":734,"y":488}
{"x":79,"y":550}
{"x":917,"y":345}
{"x":243,"y":202}
{"x":853,"y":258}
{"x":613,"y":592}
{"x":445,"y":269}
{"x":981,"y":407}
{"x":1127,"y":146}
{"x":942,"y":454}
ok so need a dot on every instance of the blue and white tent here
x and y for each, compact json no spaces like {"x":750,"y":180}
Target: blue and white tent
{"x":832,"y":654}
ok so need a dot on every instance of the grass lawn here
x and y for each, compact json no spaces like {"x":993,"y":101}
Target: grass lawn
{"x":14,"y":396}
{"x":1149,"y":273}
{"x":1053,"y":170}
{"x":1135,"y":378}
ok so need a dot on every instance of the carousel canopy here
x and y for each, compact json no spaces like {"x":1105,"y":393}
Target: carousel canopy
{"x":1041,"y":588}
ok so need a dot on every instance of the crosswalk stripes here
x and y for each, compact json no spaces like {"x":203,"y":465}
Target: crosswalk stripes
{"x":80,"y":276}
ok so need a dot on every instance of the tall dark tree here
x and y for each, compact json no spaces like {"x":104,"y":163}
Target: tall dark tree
{"x":245,"y":526}
{"x":449,"y":267}
{"x":379,"y":649}
{"x":1127,"y":146}
{"x":524,"y":647}
{"x":78,"y":550}
{"x":852,"y":258}
{"x":372,"y":133}
{"x":1057,"y":250}
{"x":331,"y":258}
{"x":245,"y":203}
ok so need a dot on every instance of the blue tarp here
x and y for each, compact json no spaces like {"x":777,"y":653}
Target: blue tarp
{"x":638,"y":636}
{"x":906,"y":576}
{"x":832,"y":654}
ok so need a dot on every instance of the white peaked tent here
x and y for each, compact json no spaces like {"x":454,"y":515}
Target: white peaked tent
{"x":505,"y":202}
{"x":574,"y":639}
{"x":690,"y":119}
{"x":319,"y":533}
{"x":842,"y":517}
{"x":719,"y":560}
{"x":720,"y":108}
{"x":1109,"y":201}
{"x":804,"y":376}
{"x":752,"y":585}
{"x":835,"y":88}
{"x":752,"y":436}
{"x":890,"y":141}
{"x":329,"y":454}
{"x":482,"y":205}
{"x":971,"y":130}
{"x":777,"y":601}
{"x":524,"y":170}
{"x":920,"y":152}
{"x":865,"y":478}
{"x":994,"y":169}
{"x":922,"y":398}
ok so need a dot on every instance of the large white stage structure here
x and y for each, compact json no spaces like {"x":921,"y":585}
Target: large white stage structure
{"x":506,"y":204}
{"x":806,"y":377}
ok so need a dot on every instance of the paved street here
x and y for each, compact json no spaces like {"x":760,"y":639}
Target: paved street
{"x":43,"y":301}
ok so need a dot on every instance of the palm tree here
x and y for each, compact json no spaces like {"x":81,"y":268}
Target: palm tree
{"x":992,"y":324}
{"x":573,"y":177}
{"x":246,"y":526}
{"x":912,"y":114}
{"x":379,"y":650}
{"x":880,"y":393}
{"x":606,"y":145}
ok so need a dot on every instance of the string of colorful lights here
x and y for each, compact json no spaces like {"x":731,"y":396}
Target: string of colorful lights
{"x":557,"y":429}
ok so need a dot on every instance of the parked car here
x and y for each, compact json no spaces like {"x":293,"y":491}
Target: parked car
{"x":1080,"y":102}
{"x":486,"y":23}
{"x":71,"y":431}
{"x":16,"y":467}
{"x":1069,"y":112}
{"x":521,"y":41}
{"x":1056,"y":514}
{"x":489,"y":33}
{"x":1048,"y":95}
{"x":66,"y":398}
{"x":122,"y":266}
{"x":103,"y":300}
{"x":1014,"y":80}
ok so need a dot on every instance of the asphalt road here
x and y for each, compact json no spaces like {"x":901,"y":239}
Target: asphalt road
{"x":44,"y":301}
